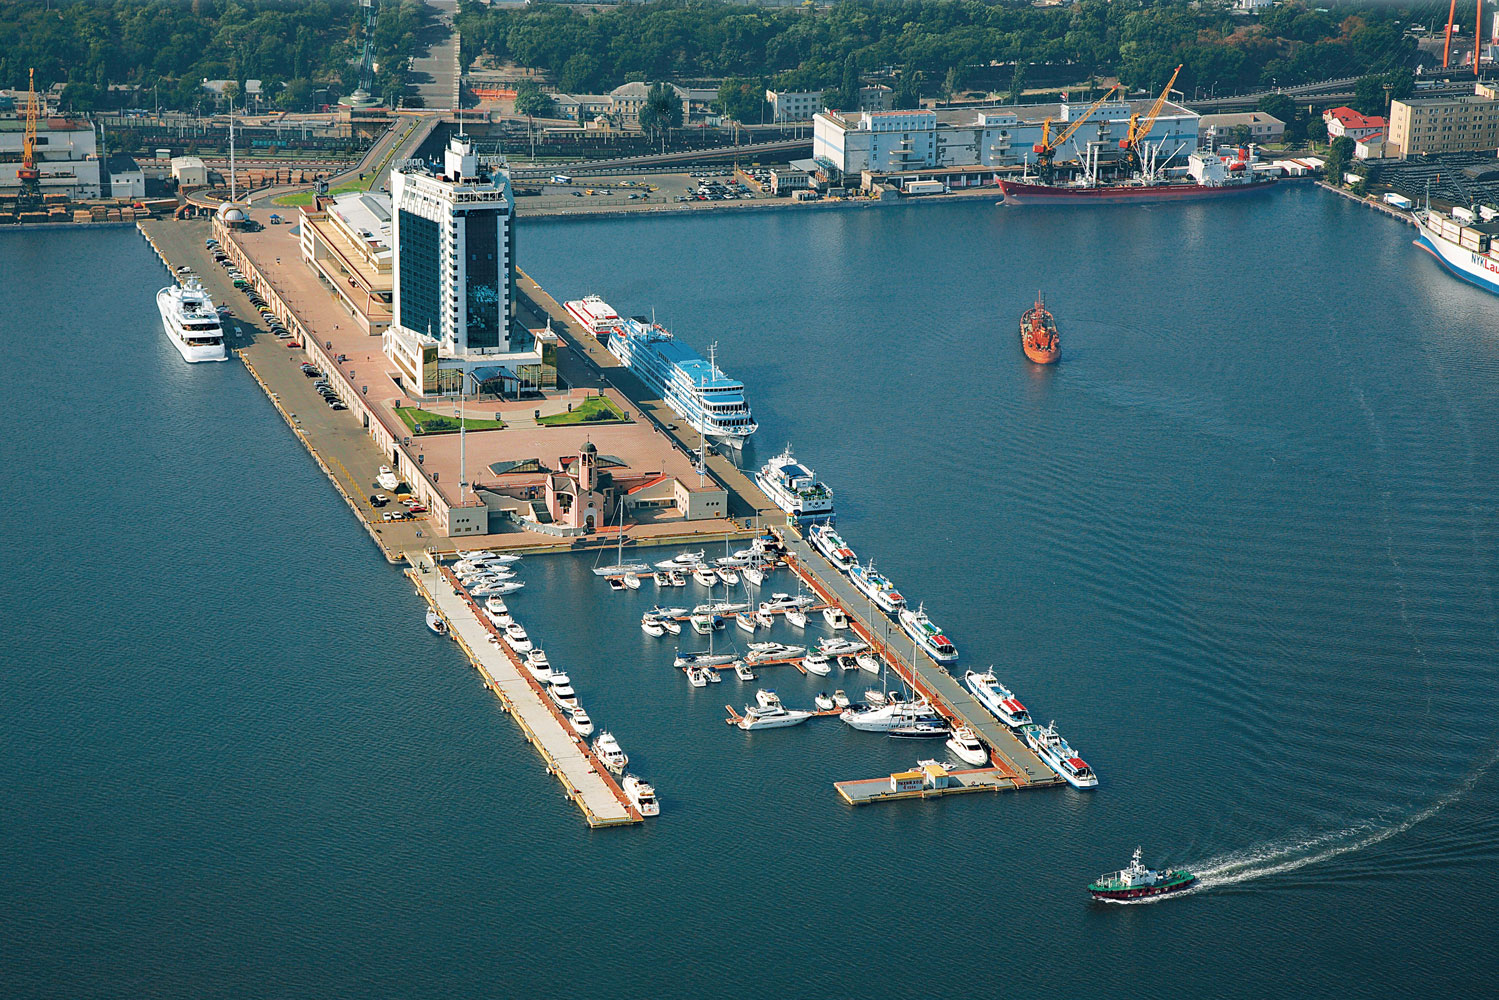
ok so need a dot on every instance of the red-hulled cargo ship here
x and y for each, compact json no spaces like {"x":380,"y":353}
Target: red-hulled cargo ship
{"x":1208,"y":176}
{"x":1038,"y":334}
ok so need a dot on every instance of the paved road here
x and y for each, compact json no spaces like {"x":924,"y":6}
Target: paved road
{"x":436,"y":72}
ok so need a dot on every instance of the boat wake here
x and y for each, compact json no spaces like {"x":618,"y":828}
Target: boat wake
{"x":1276,"y":859}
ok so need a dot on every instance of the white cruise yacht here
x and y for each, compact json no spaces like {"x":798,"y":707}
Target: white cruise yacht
{"x":794,"y":488}
{"x":191,"y":321}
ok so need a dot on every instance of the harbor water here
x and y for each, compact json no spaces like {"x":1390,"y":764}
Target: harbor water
{"x":1240,"y":544}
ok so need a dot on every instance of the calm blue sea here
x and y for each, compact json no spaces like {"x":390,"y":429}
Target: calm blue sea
{"x":1240,"y":544}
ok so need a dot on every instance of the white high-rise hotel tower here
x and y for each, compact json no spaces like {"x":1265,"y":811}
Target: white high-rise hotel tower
{"x":454,"y":274}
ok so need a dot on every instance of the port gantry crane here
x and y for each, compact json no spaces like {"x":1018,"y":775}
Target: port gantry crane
{"x":1140,"y":128}
{"x":1047,"y":147}
{"x":30,"y":195}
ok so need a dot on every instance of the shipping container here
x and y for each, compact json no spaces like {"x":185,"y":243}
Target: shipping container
{"x":1398,"y":200}
{"x":924,"y":187}
{"x":1463,"y":215}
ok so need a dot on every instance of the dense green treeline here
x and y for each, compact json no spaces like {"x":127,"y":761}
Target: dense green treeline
{"x":950,"y":42}
{"x":168,"y":48}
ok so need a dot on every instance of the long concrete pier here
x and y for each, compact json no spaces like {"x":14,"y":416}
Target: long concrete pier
{"x":1011,"y":757}
{"x":568,"y":756}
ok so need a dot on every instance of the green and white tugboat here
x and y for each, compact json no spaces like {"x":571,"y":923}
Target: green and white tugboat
{"x":1137,"y":882}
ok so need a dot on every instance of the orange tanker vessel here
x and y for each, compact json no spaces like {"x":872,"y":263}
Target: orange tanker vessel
{"x":1038,"y":334}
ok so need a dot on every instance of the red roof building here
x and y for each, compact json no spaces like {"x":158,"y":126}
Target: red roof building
{"x":1346,"y":121}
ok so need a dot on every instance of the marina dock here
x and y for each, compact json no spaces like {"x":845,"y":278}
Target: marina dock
{"x":916,"y":784}
{"x":1011,"y":757}
{"x":569,"y":758}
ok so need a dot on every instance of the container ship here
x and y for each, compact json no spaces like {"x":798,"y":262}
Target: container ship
{"x":1464,"y":249}
{"x":712,"y":403}
{"x":1208,"y":176}
{"x":1038,"y":334}
{"x":1138,"y":882}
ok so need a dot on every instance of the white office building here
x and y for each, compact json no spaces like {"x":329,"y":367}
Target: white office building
{"x":453,"y":275}
{"x":884,"y":142}
{"x":793,"y":106}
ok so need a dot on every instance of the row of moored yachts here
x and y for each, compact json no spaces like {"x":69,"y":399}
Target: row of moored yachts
{"x":482,"y":574}
{"x":917,"y":716}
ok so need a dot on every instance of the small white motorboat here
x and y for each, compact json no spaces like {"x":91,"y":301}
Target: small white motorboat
{"x":728,"y":575}
{"x":642,"y":795}
{"x":877,"y":699}
{"x":818,"y":664}
{"x":386,"y":479}
{"x":671,"y":625}
{"x":682,"y":561}
{"x":608,"y":750}
{"x":840,"y":699}
{"x":796,"y":617}
{"x":746,"y":621}
{"x":742,"y":671}
{"x":967,"y":747}
{"x":714,"y":677}
{"x":822,"y":701}
{"x":631,"y":581}
{"x":868,"y":662}
{"x":516,"y":638}
{"x":560,"y":687}
{"x":767,"y":698}
{"x":653,"y":627}
{"x":705,"y":576}
{"x":834,"y":616}
{"x":702,"y":624}
{"x":839,"y":647}
{"x":616,"y":582}
{"x":847,"y":663}
{"x":676,"y":579}
{"x":698,"y":676}
{"x":436,"y":624}
{"x":495,"y":604}
{"x":581,"y":722}
{"x":662,"y":578}
{"x":764,"y":617}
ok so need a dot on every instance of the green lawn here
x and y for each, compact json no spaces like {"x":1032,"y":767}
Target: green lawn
{"x":594,"y":410}
{"x":426,"y":422}
{"x":301,"y":199}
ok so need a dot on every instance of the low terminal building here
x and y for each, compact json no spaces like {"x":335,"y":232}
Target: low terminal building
{"x":67,"y":154}
{"x":893,"y":142}
{"x":585,"y":491}
{"x":346,"y":240}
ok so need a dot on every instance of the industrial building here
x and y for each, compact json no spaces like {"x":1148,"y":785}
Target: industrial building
{"x":886,"y":142}
{"x":453,"y":278}
{"x":126,"y":179}
{"x":1445,"y":124}
{"x":67,"y":155}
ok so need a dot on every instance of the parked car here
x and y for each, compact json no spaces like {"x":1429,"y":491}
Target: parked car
{"x":337,"y":405}
{"x":416,"y":509}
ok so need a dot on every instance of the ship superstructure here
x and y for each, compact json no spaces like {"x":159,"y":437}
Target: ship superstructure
{"x":696,"y":388}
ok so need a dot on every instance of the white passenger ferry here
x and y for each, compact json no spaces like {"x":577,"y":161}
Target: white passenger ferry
{"x":794,"y":488}
{"x":712,"y":403}
{"x":191,"y":321}
{"x":596,"y":316}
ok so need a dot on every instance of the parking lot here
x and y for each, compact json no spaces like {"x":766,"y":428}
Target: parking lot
{"x":630,"y":192}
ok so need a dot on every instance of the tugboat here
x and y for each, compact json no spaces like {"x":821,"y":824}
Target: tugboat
{"x":1038,"y":334}
{"x":1137,"y":882}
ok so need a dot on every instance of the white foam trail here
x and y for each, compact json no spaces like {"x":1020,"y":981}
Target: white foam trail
{"x":1277,"y":859}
